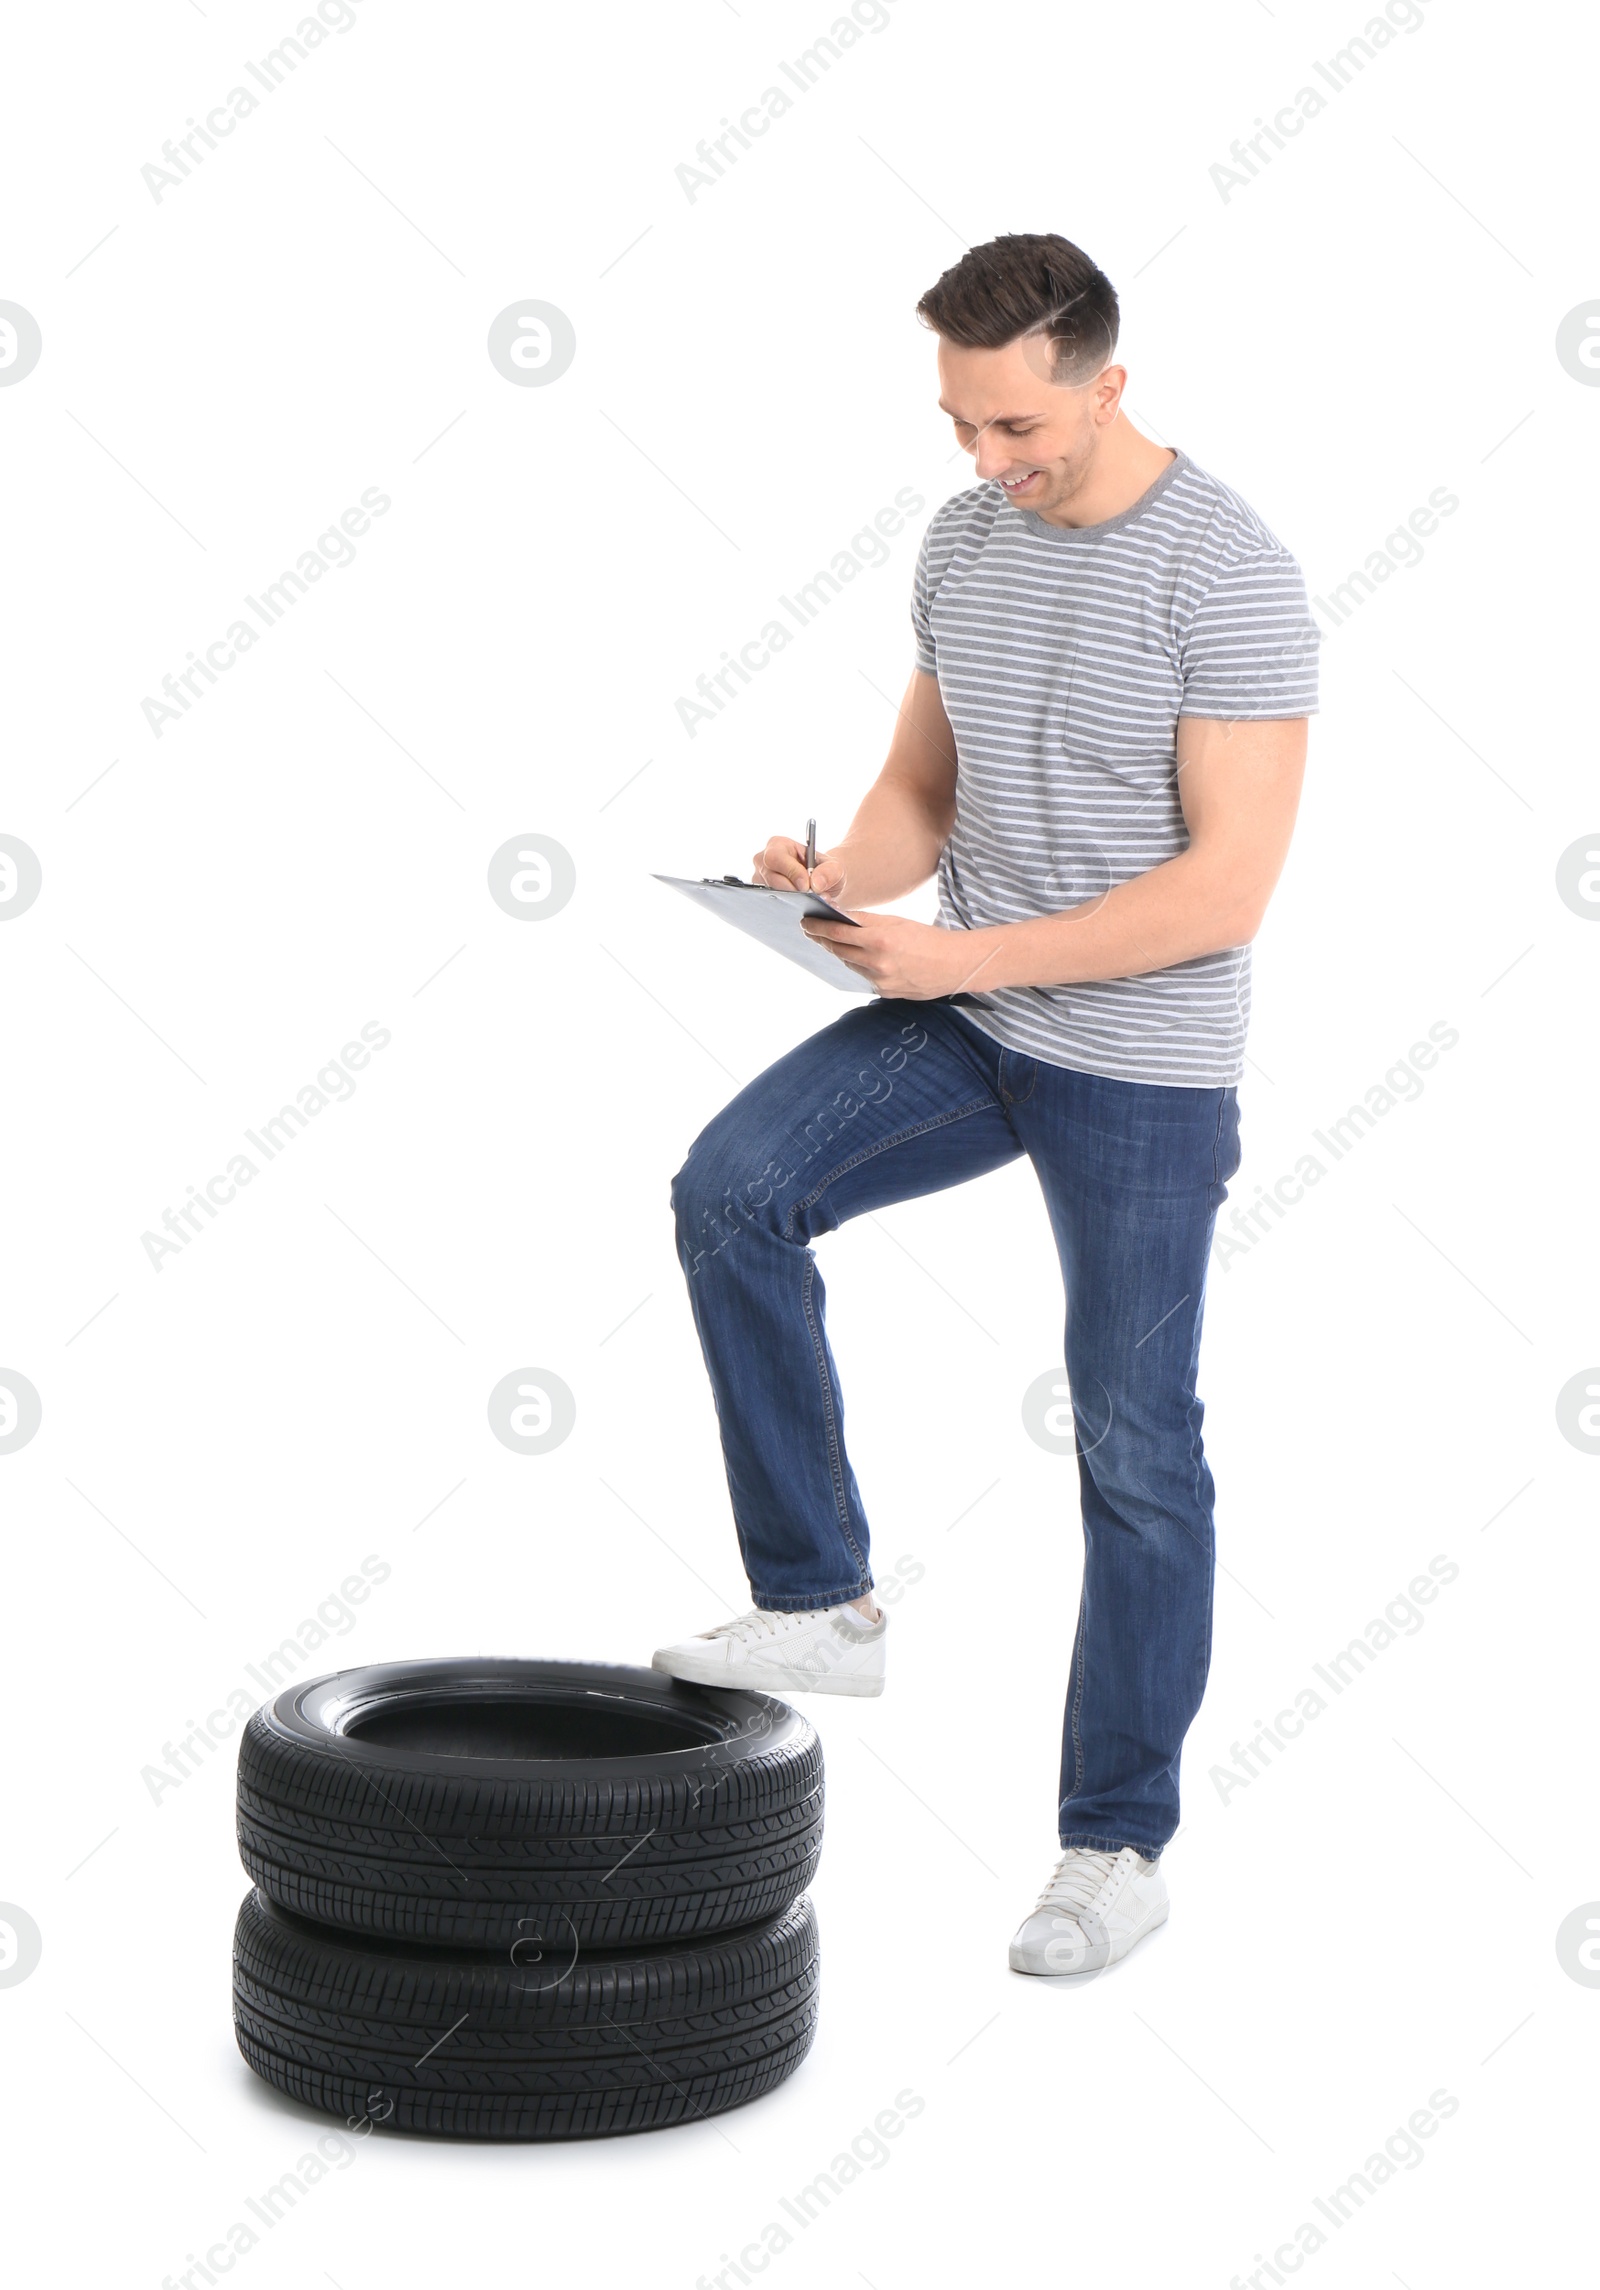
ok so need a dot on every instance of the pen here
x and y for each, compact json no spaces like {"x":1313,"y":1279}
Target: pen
{"x":811,"y":844}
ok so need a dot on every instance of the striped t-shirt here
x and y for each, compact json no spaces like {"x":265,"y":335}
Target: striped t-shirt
{"x":1065,"y":657}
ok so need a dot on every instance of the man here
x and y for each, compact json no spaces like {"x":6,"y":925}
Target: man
{"x":1100,"y":755}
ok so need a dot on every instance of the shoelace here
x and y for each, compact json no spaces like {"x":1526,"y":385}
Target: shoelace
{"x":1078,"y":1876}
{"x":747,"y":1628}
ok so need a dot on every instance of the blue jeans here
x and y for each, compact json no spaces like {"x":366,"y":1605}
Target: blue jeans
{"x":903,"y":1098}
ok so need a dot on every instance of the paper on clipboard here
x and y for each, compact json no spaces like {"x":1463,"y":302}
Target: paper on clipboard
{"x":774,"y":917}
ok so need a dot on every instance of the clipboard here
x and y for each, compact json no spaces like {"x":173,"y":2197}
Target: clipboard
{"x":774,"y":917}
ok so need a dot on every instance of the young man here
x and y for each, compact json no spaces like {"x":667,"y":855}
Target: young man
{"x":1099,"y":754}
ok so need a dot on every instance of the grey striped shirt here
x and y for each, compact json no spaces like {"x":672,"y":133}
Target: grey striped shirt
{"x":1065,"y":658}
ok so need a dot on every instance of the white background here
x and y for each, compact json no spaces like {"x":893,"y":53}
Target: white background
{"x":1373,"y":316}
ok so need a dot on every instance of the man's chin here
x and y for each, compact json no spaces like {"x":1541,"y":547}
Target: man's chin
{"x":1034,"y":495}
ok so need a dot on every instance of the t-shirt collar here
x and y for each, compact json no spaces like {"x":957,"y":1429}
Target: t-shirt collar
{"x":1078,"y":535}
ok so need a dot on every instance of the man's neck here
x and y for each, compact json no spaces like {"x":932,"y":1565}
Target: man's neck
{"x":1124,"y":469}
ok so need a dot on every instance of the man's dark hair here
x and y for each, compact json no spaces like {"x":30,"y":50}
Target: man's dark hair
{"x":1029,"y":282}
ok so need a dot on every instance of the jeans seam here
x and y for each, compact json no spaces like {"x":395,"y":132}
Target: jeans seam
{"x":1092,"y":1842}
{"x":835,"y":1461}
{"x":883,"y":1145}
{"x":816,"y":1602}
{"x":1204,"y":1510}
{"x":1077,"y":1705}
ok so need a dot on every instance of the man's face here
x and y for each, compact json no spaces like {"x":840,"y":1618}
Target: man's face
{"x":1036,"y":438}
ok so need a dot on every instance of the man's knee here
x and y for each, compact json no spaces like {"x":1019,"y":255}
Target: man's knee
{"x":724,"y":1187}
{"x":711,"y":1173}
{"x":1131,"y":1426}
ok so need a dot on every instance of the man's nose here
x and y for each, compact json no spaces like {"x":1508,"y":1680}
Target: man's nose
{"x":990,"y":454}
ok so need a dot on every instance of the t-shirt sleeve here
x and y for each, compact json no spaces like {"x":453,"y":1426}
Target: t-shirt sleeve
{"x":921,"y":610}
{"x":1251,"y":650}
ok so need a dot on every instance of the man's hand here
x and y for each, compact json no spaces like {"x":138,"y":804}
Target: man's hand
{"x":782,"y":867}
{"x":909,"y":961}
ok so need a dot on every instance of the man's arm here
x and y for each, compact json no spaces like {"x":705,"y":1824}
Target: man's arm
{"x":1239,"y":785}
{"x":904,"y":820}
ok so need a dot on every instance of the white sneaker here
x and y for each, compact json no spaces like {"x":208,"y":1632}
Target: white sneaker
{"x":833,"y":1651}
{"x":1094,"y":1909}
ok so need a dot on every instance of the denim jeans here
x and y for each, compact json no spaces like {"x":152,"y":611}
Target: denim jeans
{"x":903,"y":1098}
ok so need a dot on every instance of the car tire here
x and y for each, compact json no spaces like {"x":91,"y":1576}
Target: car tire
{"x":486,"y":1804}
{"x":395,"y":2035}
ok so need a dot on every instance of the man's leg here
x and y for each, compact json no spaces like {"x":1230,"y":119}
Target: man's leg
{"x":1134,"y":1174}
{"x":895,"y":1100}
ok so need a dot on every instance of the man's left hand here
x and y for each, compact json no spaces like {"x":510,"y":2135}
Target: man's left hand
{"x":905,"y":961}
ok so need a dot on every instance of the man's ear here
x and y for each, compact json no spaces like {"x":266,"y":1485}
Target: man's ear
{"x":1107,"y":387}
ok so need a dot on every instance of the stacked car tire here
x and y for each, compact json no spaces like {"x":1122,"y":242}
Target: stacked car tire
{"x":525,"y":1900}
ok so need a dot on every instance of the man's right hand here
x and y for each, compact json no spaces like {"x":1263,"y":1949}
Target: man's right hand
{"x":782,"y":866}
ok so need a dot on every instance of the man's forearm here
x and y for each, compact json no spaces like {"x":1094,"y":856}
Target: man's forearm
{"x":1177,"y":911}
{"x":893,"y":844}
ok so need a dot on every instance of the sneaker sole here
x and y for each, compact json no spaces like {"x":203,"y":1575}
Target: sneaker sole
{"x":768,"y":1679}
{"x":1092,"y":1971}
